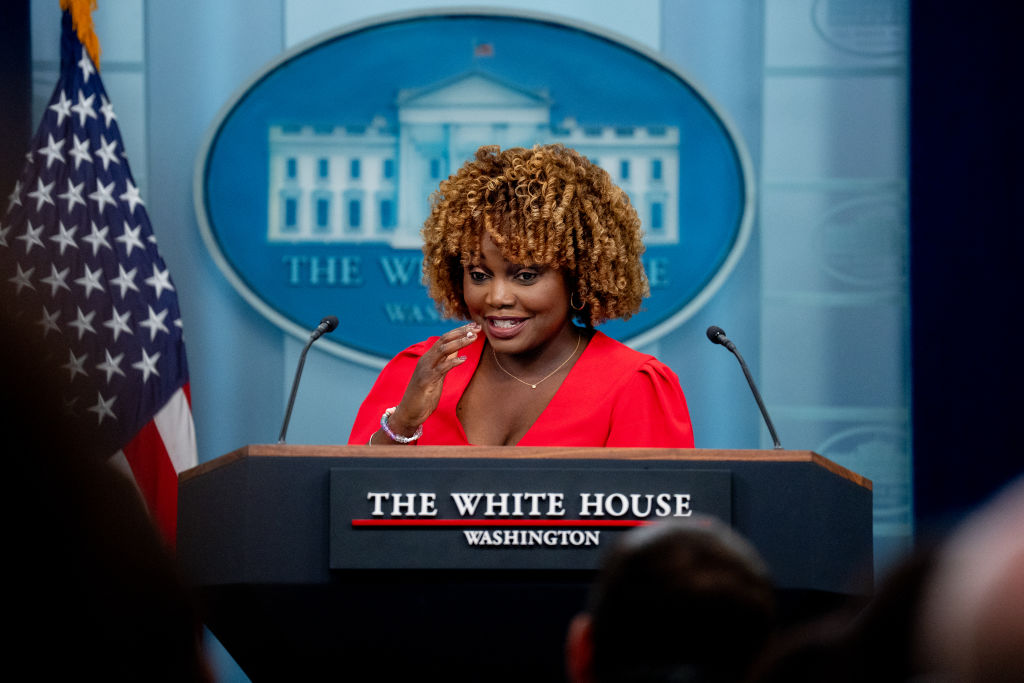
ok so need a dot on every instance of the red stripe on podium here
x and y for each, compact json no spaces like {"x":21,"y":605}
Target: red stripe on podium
{"x":547,"y":523}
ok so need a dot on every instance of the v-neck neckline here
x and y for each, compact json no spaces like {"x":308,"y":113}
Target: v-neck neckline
{"x":474,"y":354}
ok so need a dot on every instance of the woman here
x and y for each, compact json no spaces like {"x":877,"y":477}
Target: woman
{"x":522,"y":243}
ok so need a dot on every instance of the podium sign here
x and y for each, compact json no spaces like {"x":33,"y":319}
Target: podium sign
{"x":560,"y":516}
{"x":310,"y":568}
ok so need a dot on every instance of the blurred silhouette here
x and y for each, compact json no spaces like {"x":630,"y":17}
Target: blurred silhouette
{"x":951,"y":611}
{"x":686,"y":600}
{"x":94,"y":592}
{"x":971,"y":622}
{"x":856,"y":641}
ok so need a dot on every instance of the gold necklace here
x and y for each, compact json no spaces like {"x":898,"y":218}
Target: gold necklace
{"x":533,"y":385}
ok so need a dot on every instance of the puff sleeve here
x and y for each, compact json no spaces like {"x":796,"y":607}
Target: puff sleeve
{"x":651,"y":411}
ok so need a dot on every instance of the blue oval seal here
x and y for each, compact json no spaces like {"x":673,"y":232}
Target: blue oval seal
{"x":314,"y":180}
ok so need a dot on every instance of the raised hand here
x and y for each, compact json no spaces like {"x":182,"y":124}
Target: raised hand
{"x":424,"y":389}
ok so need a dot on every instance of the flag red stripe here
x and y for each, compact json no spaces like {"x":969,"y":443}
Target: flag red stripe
{"x":154,"y":473}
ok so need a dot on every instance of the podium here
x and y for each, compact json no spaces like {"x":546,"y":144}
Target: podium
{"x":469,"y":562}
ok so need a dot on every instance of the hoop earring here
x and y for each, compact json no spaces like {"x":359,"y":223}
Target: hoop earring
{"x":574,"y":306}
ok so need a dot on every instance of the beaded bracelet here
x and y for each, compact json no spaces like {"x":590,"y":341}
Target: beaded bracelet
{"x":397,"y":437}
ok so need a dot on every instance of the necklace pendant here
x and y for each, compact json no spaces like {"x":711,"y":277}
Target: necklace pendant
{"x":523,"y":381}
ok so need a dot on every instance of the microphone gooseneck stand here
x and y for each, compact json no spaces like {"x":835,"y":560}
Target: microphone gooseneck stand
{"x":717,"y":336}
{"x":326,"y":325}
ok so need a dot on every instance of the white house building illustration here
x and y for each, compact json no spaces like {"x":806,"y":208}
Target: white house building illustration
{"x":372,"y":183}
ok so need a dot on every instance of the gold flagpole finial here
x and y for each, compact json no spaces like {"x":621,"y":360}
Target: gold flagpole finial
{"x":81,"y":19}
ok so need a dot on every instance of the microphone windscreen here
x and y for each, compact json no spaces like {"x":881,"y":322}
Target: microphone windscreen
{"x":716,"y":334}
{"x":332,"y":323}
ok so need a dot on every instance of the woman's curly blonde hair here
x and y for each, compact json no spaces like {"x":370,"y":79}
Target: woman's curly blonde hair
{"x":545,"y":206}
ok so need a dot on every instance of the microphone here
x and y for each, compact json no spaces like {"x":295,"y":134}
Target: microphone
{"x":328,"y":324}
{"x":717,"y":336}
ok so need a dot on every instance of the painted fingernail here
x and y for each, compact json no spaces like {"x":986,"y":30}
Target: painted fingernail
{"x":471,"y":335}
{"x":462,"y":358}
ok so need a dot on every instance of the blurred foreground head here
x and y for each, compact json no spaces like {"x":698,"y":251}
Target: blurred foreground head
{"x":687,"y":601}
{"x":971,"y":626}
{"x":97,"y":593}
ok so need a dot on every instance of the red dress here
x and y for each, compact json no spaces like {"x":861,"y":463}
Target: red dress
{"x":612,"y":396}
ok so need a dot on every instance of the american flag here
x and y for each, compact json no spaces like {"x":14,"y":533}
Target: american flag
{"x":80,"y":261}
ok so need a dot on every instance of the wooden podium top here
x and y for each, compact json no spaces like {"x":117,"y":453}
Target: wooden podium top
{"x":524,"y":453}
